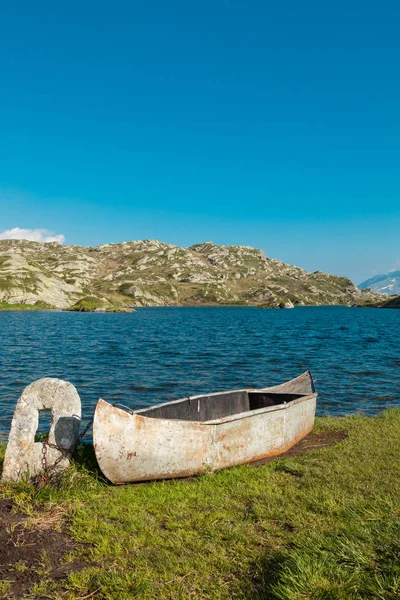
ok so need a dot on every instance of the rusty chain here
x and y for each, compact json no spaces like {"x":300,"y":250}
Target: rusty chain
{"x":84,"y":432}
{"x":44,"y":458}
{"x":45,"y":475}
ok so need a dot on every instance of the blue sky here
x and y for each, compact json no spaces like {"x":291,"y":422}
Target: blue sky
{"x":272,"y":124}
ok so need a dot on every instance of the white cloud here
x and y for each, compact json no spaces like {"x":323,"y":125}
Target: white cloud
{"x":34,"y":235}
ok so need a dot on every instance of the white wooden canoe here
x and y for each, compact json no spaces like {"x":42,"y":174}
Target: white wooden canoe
{"x":192,"y":435}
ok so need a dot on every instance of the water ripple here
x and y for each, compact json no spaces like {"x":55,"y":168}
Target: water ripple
{"x":158,"y":354}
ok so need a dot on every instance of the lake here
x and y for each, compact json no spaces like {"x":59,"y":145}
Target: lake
{"x":159,"y":354}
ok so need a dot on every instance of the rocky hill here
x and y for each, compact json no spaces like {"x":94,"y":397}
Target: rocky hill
{"x":384,"y":284}
{"x":392,"y":303}
{"x":151,"y":273}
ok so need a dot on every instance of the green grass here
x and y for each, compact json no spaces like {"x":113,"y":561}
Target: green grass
{"x":92,"y":303}
{"x":39,"y":305}
{"x":6,"y":283}
{"x":87,"y":304}
{"x":4,"y":260}
{"x":324,"y":525}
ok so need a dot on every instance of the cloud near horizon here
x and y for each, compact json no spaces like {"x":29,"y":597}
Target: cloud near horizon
{"x":33,"y":235}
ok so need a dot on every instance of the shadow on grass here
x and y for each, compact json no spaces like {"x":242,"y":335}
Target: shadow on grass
{"x":360,"y":562}
{"x":85,"y":458}
{"x":267,"y":576}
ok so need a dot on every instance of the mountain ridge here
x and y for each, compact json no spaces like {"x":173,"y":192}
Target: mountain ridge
{"x":153,"y":273}
{"x":388,"y":283}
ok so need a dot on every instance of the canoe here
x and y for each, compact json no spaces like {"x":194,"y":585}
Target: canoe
{"x":202,"y":433}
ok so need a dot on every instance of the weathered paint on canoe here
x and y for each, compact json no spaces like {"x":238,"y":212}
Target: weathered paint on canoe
{"x":133,"y":447}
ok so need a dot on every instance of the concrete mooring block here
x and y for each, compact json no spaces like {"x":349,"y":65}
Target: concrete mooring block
{"x":24,"y":456}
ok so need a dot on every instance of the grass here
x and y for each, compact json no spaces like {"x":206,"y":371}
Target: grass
{"x":324,"y":525}
{"x":39,"y":305}
{"x":92,"y":304}
{"x":87,"y":304}
{"x":6,"y":284}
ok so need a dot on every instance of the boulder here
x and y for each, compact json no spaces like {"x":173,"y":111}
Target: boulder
{"x":287,"y":304}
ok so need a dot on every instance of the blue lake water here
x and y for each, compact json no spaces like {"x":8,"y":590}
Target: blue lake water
{"x":159,"y":354}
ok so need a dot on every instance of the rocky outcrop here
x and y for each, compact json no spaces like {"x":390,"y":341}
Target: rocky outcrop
{"x":152,"y":273}
{"x":94,"y":304}
{"x":392,"y":303}
{"x":287,"y":304}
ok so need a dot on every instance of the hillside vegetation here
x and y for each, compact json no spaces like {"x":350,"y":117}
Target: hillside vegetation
{"x":152,"y":273}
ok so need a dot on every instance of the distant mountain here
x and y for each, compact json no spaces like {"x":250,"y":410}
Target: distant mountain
{"x":384,"y":284}
{"x":152,"y":273}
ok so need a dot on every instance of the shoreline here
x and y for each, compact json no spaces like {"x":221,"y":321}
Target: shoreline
{"x":33,"y":308}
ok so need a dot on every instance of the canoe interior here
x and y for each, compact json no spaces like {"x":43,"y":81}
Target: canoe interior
{"x":217,"y":406}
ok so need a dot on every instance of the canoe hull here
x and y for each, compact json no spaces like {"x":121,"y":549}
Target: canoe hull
{"x":263,"y":435}
{"x":132,"y":447}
